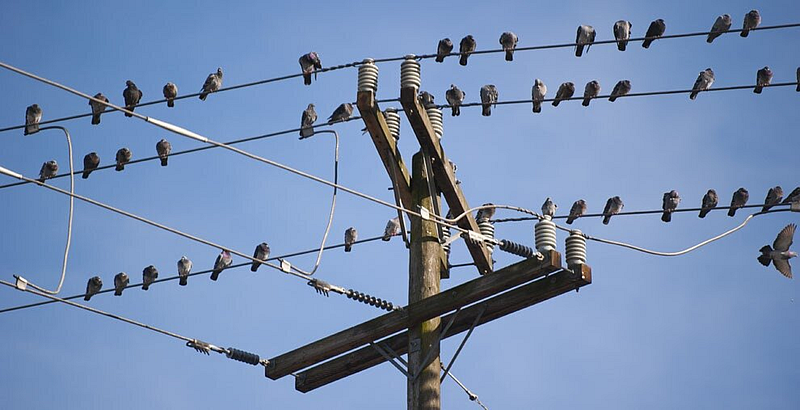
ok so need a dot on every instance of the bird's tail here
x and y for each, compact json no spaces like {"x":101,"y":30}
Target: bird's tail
{"x":455,"y":111}
{"x":164,"y":161}
{"x":765,"y":259}
{"x":666,"y":216}
{"x":86,"y":174}
{"x":646,"y":43}
{"x":704,"y":212}
{"x":145,"y":286}
{"x":570,"y":220}
{"x":348,"y":248}
{"x":119,"y":167}
{"x":745,"y":32}
{"x":129,"y":108}
{"x":487,"y":110}
{"x":509,"y":55}
{"x":556,"y":102}
{"x":578,"y":51}
{"x":215,"y":274}
{"x":183,"y":281}
{"x":537,"y":106}
{"x":710,"y":38}
{"x":586,"y":101}
{"x":386,"y":238}
{"x":118,"y":292}
{"x":439,"y":58}
{"x":170,"y":103}
{"x":307,"y":78}
{"x":693,"y":95}
{"x":758,"y":89}
{"x":606,"y":219}
{"x":732,"y":211}
{"x":203,"y":96}
{"x":95,"y":119}
{"x":622,"y":45}
{"x":463,"y":59}
{"x":87,"y":297}
{"x":798,"y":87}
{"x":254,"y":266}
{"x":612,"y":98}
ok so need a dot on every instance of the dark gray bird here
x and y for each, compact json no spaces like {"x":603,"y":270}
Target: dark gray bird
{"x":132,"y":96}
{"x":49,"y":170}
{"x":123,"y":157}
{"x":350,"y":237}
{"x":549,"y":207}
{"x":212,"y":84}
{"x":184,"y":269}
{"x":223,"y":261}
{"x":426,"y":99}
{"x":170,"y":92}
{"x":307,"y":121}
{"x":721,"y":25}
{"x":33,"y":115}
{"x":622,"y":33}
{"x":163,"y":148}
{"x":585,"y":38}
{"x":466,"y":48}
{"x":485,"y":214}
{"x":489,"y":96}
{"x":392,"y":229}
{"x":779,"y":254}
{"x":763,"y":79}
{"x":793,"y":196}
{"x":308,"y":63}
{"x":538,"y":92}
{"x":121,"y":281}
{"x":655,"y":31}
{"x":670,"y":204}
{"x":92,"y":287}
{"x":739,"y":200}
{"x":149,"y":275}
{"x":455,"y":97}
{"x":565,"y":92}
{"x":341,"y":113}
{"x":703,"y":82}
{"x":614,"y":206}
{"x":623,"y":87}
{"x":578,"y":210}
{"x":751,"y":20}
{"x":509,"y":42}
{"x":710,"y":201}
{"x":592,"y":90}
{"x":262,"y":253}
{"x":97,"y":108}
{"x":90,"y":162}
{"x":774,"y":196}
{"x":444,"y":48}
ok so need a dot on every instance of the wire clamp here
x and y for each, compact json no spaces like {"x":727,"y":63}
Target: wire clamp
{"x":424,"y":213}
{"x":22,"y":283}
{"x":286,"y":266}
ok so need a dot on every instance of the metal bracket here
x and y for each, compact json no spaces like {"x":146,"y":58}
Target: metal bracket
{"x":391,"y":358}
{"x":428,"y":357}
{"x":463,"y":342}
{"x":414,"y":345}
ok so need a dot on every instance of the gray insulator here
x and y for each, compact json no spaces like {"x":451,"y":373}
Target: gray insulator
{"x":576,"y":248}
{"x":242,"y":356}
{"x":368,"y":76}
{"x":393,"y":122}
{"x":435,"y":116}
{"x":517,"y":249}
{"x":410,"y":73}
{"x":487,"y":229}
{"x":545,"y":233}
{"x":370,"y":300}
{"x":445,"y":237}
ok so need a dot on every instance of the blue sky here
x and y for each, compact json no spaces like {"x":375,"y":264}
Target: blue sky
{"x":712,"y":329}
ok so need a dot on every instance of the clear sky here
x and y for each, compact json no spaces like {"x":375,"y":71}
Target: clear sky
{"x":712,"y":329}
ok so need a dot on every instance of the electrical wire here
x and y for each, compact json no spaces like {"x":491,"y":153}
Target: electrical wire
{"x":472,"y":396}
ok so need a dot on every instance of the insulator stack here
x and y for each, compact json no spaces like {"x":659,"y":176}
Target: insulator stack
{"x":487,"y":229}
{"x":445,"y":238}
{"x":370,"y":300}
{"x":545,"y":232}
{"x":368,"y":76}
{"x":409,"y":72}
{"x":242,"y":356}
{"x":435,"y":115}
{"x":517,"y":249}
{"x":576,"y":248}
{"x":393,"y":122}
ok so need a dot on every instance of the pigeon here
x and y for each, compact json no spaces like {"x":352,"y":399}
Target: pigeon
{"x":132,"y":96}
{"x":549,"y":207}
{"x":565,"y":92}
{"x":97,"y":108}
{"x":33,"y":115}
{"x":184,"y":268}
{"x":613,"y":207}
{"x":585,"y":37}
{"x":489,"y":96}
{"x":591,"y":91}
{"x":262,"y":253}
{"x":392,"y":229}
{"x":170,"y":92}
{"x":350,"y":237}
{"x":149,"y":275}
{"x":123,"y":157}
{"x":622,"y":33}
{"x":426,"y":99}
{"x":90,"y":163}
{"x":774,"y":196}
{"x":310,"y":62}
{"x":509,"y":42}
{"x":49,"y":170}
{"x":739,"y":199}
{"x":121,"y":281}
{"x":307,"y":121}
{"x":751,"y":20}
{"x":455,"y":97}
{"x":721,"y":25}
{"x":163,"y":148}
{"x":341,"y":113}
{"x":92,"y":287}
{"x":538,"y":91}
{"x":703,"y":82}
{"x":763,"y":78}
{"x":656,"y":30}
{"x":623,"y":87}
{"x":793,"y":196}
{"x":213,"y":83}
{"x":466,"y":48}
{"x":710,"y":201}
{"x":577,"y":210}
{"x":779,"y":254}
{"x":444,"y":48}
{"x":223,"y":261}
{"x":670,"y":204}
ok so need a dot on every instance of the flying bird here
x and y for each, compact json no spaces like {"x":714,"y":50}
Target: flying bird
{"x":793,"y":196}
{"x":774,"y":196}
{"x":97,"y":108}
{"x":655,"y":31}
{"x":149,"y":275}
{"x":585,"y":38}
{"x":565,"y":92}
{"x":170,"y":92}
{"x":341,"y":113}
{"x":123,"y":157}
{"x":710,"y":201}
{"x":262,"y":253}
{"x":489,"y":96}
{"x":538,"y":92}
{"x":223,"y":261}
{"x":623,"y":87}
{"x":455,"y":97}
{"x":392,"y":229}
{"x":92,"y":287}
{"x":549,"y":207}
{"x":132,"y":96}
{"x":33,"y":115}
{"x":703,"y":82}
{"x":308,"y":63}
{"x":184,"y":268}
{"x":763,"y":78}
{"x":670,"y":204}
{"x":779,"y":254}
{"x":307,"y":121}
{"x":121,"y":281}
{"x":592,"y":90}
{"x":350,"y":237}
{"x":466,"y":48}
{"x":509,"y":42}
{"x":163,"y":148}
{"x":90,"y":162}
{"x":614,"y":206}
{"x":751,"y":20}
{"x":49,"y":170}
{"x":578,"y":209}
{"x":213,"y":83}
{"x":739,"y":199}
{"x":721,"y":25}
{"x":444,"y":48}
{"x":485,"y":214}
{"x":622,"y":33}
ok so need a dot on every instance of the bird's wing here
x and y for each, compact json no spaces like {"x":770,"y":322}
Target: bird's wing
{"x":784,"y":239}
{"x":782,"y":265}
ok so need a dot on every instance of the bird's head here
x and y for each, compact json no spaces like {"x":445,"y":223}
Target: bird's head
{"x":219,"y":71}
{"x":130,"y":83}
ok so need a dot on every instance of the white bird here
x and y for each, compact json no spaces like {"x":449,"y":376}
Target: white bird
{"x":779,"y":254}
{"x":392,"y":229}
{"x":549,"y":207}
{"x":538,"y":92}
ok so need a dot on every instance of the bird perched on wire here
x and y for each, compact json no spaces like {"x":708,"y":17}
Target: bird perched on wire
{"x":614,"y":206}
{"x":341,"y":113}
{"x":739,"y":200}
{"x":623,"y":87}
{"x":509,"y":42}
{"x":33,"y":114}
{"x":585,"y":37}
{"x":97,"y":108}
{"x":455,"y":97}
{"x":213,"y":83}
{"x":578,"y":210}
{"x":261,"y":253}
{"x":549,"y":207}
{"x":670,"y":204}
{"x":184,"y":269}
{"x":222,"y":262}
{"x":170,"y":92}
{"x":655,"y":31}
{"x":307,"y":121}
{"x":622,"y":33}
{"x":392,"y":229}
{"x":92,"y":287}
{"x":489,"y":96}
{"x":751,"y":20}
{"x":132,"y":96}
{"x":763,"y":79}
{"x":793,"y":196}
{"x":774,"y":196}
{"x":121,"y":281}
{"x":124,"y":156}
{"x":466,"y":47}
{"x":149,"y":275}
{"x":163,"y":148}
{"x":538,"y":92}
{"x":565,"y":92}
{"x":309,"y":63}
{"x":721,"y":25}
{"x":444,"y":48}
{"x":350,"y":237}
{"x":703,"y":82}
{"x":779,"y":253}
{"x":426,"y":99}
{"x":90,"y":162}
{"x":49,"y":170}
{"x":710,"y":201}
{"x":592,"y":90}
